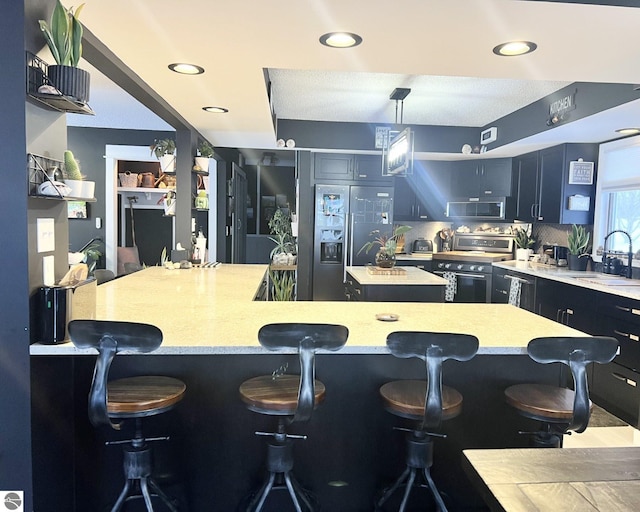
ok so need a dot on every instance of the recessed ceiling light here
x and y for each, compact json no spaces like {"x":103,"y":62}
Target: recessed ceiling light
{"x":513,"y":48}
{"x":340,"y":39}
{"x":186,"y":69}
{"x":216,"y":110}
{"x":628,"y":131}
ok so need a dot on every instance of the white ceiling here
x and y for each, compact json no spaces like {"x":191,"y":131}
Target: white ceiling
{"x":441,"y":49}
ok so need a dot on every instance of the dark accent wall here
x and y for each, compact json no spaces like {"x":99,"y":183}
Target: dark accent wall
{"x":88,"y":146}
{"x":361,"y":136}
{"x":590,"y":98}
{"x":15,"y":404}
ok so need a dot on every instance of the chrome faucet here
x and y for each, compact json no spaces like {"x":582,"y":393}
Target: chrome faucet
{"x":629,"y":269}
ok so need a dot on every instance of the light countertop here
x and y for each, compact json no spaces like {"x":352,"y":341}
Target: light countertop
{"x":411,"y":276}
{"x":420,"y":256}
{"x":211,"y":311}
{"x":629,"y":288}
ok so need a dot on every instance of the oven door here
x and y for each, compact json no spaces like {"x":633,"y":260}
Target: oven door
{"x":471,"y":287}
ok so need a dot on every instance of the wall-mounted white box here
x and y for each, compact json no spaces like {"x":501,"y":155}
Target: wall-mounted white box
{"x":45,"y":235}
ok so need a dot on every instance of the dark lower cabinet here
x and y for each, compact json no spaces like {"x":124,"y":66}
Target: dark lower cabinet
{"x":615,"y":385}
{"x":354,"y":291}
{"x":616,"y":388}
{"x":501,"y":284}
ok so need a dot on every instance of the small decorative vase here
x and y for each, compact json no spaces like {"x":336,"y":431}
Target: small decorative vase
{"x":202,"y":200}
{"x":385,"y":260}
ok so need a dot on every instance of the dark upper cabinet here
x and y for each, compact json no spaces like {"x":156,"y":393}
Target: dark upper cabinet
{"x":422,"y":195}
{"x":481,"y":178}
{"x":344,"y":166}
{"x":369,"y":168}
{"x":543,"y":188}
{"x":333,"y":166}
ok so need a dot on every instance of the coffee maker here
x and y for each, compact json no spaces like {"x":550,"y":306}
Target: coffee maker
{"x":556,"y":254}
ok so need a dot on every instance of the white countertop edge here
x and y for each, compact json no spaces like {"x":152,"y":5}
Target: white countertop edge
{"x":560,"y":274}
{"x":67,"y":349}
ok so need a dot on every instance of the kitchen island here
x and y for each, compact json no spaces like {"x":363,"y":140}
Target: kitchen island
{"x":210,"y":323}
{"x":212,"y":311}
{"x":398,"y":284}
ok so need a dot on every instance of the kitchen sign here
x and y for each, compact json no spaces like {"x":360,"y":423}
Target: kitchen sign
{"x":562,"y":105}
{"x":581,"y":173}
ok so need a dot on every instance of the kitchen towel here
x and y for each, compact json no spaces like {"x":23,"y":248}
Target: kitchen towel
{"x":451,"y":287}
{"x":514,"y":292}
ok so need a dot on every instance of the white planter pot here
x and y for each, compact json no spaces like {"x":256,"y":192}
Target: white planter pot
{"x":203,"y":163}
{"x":523,"y":254}
{"x":76,"y":187}
{"x":168,"y":163}
{"x":88,"y":189}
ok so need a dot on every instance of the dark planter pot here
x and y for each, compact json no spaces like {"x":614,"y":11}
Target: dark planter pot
{"x":576,"y":263}
{"x":70,"y":81}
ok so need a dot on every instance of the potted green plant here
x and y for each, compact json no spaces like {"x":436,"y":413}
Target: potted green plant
{"x":75,"y":180}
{"x":164,"y":150}
{"x":283,"y":253}
{"x":578,"y":245}
{"x":386,"y":255}
{"x":205,"y":151}
{"x":63,"y":35}
{"x":524,"y":244}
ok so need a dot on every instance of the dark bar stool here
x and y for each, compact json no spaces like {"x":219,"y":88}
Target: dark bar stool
{"x":291,"y":398}
{"x":425,"y":402}
{"x":111,"y":403}
{"x":560,"y":409}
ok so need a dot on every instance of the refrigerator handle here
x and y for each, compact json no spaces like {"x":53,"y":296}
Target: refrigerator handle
{"x":348,"y":240}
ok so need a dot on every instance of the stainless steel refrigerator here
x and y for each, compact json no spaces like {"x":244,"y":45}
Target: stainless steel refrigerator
{"x":345,"y":216}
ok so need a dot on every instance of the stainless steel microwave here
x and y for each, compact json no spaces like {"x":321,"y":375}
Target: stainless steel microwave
{"x":493,"y":208}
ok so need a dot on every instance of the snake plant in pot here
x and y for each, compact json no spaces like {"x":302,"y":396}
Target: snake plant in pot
{"x":63,"y":35}
{"x":524,"y":244}
{"x":578,"y":244}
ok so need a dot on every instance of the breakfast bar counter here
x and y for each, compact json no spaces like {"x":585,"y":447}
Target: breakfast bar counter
{"x":210,"y":323}
{"x":212,"y":311}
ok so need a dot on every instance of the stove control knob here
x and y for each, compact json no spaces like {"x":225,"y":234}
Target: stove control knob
{"x":440,"y":265}
{"x":480,"y":268}
{"x":460,"y":267}
{"x":472,"y":267}
{"x":448,"y":265}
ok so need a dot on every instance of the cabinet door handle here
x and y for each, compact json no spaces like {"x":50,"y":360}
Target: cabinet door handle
{"x":358,"y":291}
{"x":632,"y":337}
{"x":624,"y":379}
{"x":633,"y":311}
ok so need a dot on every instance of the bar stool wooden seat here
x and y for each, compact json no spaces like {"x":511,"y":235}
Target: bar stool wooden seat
{"x":131,"y":398}
{"x":291,"y":398}
{"x":426,"y":402}
{"x":560,"y":409}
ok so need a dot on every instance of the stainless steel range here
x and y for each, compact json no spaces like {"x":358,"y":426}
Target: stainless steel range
{"x":467,"y":267}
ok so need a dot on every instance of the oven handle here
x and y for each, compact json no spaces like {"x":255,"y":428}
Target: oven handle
{"x":475,"y":276}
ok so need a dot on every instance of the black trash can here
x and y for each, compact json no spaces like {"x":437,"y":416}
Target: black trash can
{"x":53,"y":307}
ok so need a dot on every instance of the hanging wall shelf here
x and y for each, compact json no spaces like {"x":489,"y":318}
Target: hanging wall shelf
{"x":37,"y":75}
